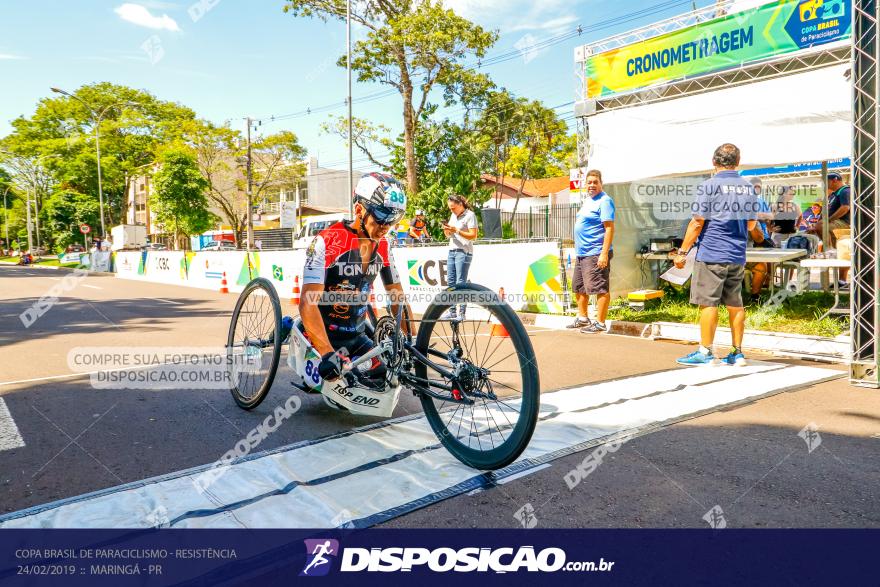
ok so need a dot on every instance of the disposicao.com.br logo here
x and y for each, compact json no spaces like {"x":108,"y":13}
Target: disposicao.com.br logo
{"x":442,"y":560}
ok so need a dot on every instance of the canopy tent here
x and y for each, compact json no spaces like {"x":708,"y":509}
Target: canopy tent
{"x":802,"y":117}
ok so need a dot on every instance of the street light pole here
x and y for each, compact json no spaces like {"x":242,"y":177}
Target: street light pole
{"x":6,"y":211}
{"x":250,"y":194}
{"x":350,"y":125}
{"x":27,"y":205}
{"x":96,"y":118}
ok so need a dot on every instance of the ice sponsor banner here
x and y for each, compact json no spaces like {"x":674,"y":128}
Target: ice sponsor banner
{"x":743,"y":37}
{"x":528,"y":272}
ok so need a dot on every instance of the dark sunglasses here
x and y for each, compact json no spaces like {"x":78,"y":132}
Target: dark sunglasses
{"x":385,"y":216}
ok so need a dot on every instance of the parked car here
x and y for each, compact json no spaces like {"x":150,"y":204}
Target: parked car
{"x":75,"y":248}
{"x":219,"y":246}
{"x":155,"y":247}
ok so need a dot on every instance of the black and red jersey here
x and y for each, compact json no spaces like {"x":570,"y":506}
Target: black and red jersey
{"x":334,"y":260}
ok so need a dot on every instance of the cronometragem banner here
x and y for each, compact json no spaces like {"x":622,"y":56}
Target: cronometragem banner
{"x":751,"y":35}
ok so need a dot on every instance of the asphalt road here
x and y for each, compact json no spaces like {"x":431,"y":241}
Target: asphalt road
{"x":749,"y":460}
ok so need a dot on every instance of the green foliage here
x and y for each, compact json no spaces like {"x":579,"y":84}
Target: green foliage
{"x":507,"y":230}
{"x":798,"y":314}
{"x":417,"y":48}
{"x":180,"y":202}
{"x":66,"y":211}
{"x":59,"y":140}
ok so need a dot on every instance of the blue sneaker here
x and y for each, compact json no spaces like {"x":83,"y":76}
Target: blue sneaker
{"x":698,"y":358}
{"x":735,"y":358}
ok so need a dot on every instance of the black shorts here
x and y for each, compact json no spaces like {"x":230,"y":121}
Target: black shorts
{"x":588,"y":278}
{"x":357,"y":345}
{"x":717,"y":283}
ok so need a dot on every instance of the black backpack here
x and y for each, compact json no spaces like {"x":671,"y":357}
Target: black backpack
{"x":799,"y":242}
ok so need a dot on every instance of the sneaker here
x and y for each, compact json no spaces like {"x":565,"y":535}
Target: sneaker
{"x":698,"y":358}
{"x":594,"y":328}
{"x":735,"y":358}
{"x":579,"y":323}
{"x":841,"y":284}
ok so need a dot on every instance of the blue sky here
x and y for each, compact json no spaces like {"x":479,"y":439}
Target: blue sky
{"x":240,"y":58}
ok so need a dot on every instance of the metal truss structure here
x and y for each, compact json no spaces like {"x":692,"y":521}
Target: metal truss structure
{"x":865,"y":321}
{"x":762,"y":71}
{"x":864,"y":55}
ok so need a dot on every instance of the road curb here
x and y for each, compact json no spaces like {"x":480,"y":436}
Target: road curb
{"x":56,"y":268}
{"x":818,"y":348}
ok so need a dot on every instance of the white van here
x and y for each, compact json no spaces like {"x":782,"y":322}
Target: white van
{"x":312,"y":225}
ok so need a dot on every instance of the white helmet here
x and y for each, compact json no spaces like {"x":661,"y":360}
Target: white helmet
{"x":382,"y":196}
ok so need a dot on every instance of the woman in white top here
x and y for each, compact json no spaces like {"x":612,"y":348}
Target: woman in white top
{"x":461,"y":231}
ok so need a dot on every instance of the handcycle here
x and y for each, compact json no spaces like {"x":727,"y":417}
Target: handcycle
{"x":481,"y":400}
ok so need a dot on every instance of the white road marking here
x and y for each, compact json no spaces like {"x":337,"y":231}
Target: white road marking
{"x":175,"y":302}
{"x":91,"y":286}
{"x":379,"y":472}
{"x":10,"y":437}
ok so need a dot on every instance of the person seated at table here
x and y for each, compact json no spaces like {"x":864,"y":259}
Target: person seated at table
{"x":811,"y":217}
{"x":758,"y":239}
{"x":785,"y":217}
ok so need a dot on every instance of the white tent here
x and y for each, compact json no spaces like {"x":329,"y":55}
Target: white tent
{"x":802,"y":117}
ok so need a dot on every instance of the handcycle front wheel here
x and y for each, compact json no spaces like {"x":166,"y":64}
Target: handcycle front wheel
{"x":485,"y":415}
{"x":253,"y":345}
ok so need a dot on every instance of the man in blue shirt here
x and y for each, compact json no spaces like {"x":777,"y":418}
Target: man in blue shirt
{"x":593,"y":233}
{"x":724,"y":213}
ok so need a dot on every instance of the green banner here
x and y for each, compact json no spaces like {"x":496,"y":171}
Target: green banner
{"x":729,"y":41}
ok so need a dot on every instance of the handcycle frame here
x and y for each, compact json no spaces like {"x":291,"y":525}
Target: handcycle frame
{"x":400,"y":373}
{"x":460,"y":380}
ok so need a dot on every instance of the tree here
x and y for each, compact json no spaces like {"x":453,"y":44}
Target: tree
{"x":218,"y":156}
{"x":134,"y":127}
{"x":277,"y":162}
{"x":415,"y":47}
{"x":179,"y":201}
{"x":543,"y":139}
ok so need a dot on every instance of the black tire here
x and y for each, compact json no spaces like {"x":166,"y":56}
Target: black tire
{"x":256,"y":324}
{"x":494,"y":457}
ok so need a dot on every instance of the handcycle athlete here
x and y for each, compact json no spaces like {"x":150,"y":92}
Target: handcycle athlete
{"x":341,"y":264}
{"x":477,"y":380}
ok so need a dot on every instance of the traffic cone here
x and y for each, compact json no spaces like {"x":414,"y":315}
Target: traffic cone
{"x":294,"y":296}
{"x":224,"y":288}
{"x":498,"y":329}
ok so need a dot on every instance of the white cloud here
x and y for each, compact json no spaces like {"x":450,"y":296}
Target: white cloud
{"x":9,"y":56}
{"x":139,"y":15}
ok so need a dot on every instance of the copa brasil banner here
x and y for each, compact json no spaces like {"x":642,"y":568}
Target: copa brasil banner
{"x":751,"y":35}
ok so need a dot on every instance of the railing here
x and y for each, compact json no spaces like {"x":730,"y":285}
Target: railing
{"x":555,"y":222}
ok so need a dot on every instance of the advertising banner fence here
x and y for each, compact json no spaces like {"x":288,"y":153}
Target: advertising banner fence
{"x":529,"y":272}
{"x":751,"y":35}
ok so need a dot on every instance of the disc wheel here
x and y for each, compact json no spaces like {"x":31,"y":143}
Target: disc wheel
{"x":254,"y":343}
{"x":489,"y":408}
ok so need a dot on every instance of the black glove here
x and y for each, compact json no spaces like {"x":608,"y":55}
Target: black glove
{"x":330,"y":367}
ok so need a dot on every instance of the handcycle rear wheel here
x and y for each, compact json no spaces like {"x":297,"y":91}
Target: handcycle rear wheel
{"x":488,"y":415}
{"x":254,"y":334}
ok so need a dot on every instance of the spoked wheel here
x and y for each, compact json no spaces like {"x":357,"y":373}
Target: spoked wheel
{"x":254,"y":346}
{"x":489,"y":407}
